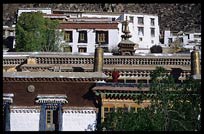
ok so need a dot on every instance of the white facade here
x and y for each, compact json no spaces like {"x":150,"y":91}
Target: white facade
{"x":144,"y":39}
{"x":79,"y":120}
{"x":24,"y":120}
{"x":82,"y":119}
{"x":189,"y":39}
{"x":113,"y":40}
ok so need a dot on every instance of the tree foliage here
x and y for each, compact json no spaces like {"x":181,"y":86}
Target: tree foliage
{"x":36,"y":33}
{"x":174,"y":107}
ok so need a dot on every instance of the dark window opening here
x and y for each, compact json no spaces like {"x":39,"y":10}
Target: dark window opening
{"x":170,"y":40}
{"x":131,"y":18}
{"x":82,"y":37}
{"x":82,"y":49}
{"x":68,"y":36}
{"x":102,"y":37}
{"x":153,"y":32}
{"x":140,"y":20}
{"x":51,"y":120}
{"x":152,"y":22}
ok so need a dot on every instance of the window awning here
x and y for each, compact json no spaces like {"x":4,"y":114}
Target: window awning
{"x":8,"y":97}
{"x":52,"y":98}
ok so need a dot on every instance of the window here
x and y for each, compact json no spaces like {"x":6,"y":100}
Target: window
{"x":102,"y":37}
{"x":188,"y":36}
{"x":140,"y":39}
{"x":181,"y":40}
{"x":153,"y":32}
{"x":51,"y":120}
{"x":82,"y":37}
{"x":131,"y":18}
{"x":140,"y":20}
{"x":152,"y":41}
{"x":82,"y":50}
{"x":197,"y":36}
{"x":140,"y":31}
{"x":67,"y":49}
{"x":170,"y":40}
{"x":68,"y":36}
{"x":152,"y":21}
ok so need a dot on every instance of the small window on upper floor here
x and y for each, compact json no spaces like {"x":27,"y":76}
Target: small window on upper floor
{"x":68,"y":36}
{"x":102,"y":37}
{"x":152,"y":32}
{"x":152,"y":21}
{"x":140,"y":20}
{"x":82,"y":37}
{"x":181,"y":40}
{"x":141,"y":31}
{"x":170,"y":40}
{"x":140,"y":39}
{"x":152,"y":41}
{"x":131,"y":18}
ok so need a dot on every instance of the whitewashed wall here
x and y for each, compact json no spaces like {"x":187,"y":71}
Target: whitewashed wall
{"x":79,"y":120}
{"x":24,"y":120}
{"x":91,"y":40}
{"x":146,"y":38}
{"x":168,"y":34}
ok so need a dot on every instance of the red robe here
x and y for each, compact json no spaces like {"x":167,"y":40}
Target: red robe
{"x":115,"y":76}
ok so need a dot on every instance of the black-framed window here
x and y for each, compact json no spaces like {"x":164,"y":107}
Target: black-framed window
{"x":131,"y":18}
{"x":82,"y":49}
{"x":102,"y":37}
{"x":140,"y":20}
{"x":181,"y":40}
{"x":170,"y":40}
{"x":152,"y":21}
{"x":82,"y":37}
{"x":141,"y":31}
{"x":68,"y":36}
{"x":152,"y":32}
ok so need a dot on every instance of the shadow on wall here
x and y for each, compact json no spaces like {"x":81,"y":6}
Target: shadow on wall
{"x":78,"y":69}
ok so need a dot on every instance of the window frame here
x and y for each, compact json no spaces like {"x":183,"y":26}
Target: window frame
{"x":142,"y":31}
{"x":131,"y":19}
{"x":140,"y":22}
{"x":104,"y":39}
{"x":66,"y":33}
{"x":152,"y":21}
{"x":152,"y":35}
{"x":84,"y":33}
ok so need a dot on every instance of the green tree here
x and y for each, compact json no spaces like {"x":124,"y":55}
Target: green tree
{"x":36,"y":33}
{"x":174,"y":107}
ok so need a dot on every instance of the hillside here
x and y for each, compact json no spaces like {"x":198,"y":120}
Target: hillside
{"x":185,"y":17}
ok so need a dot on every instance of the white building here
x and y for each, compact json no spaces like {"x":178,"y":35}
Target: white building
{"x":144,"y":29}
{"x":82,"y":31}
{"x":83,"y":37}
{"x":188,"y":39}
